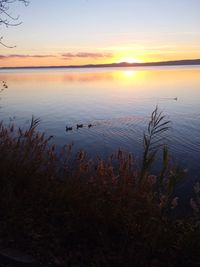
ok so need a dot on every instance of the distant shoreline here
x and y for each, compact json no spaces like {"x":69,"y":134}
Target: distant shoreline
{"x":110,"y":65}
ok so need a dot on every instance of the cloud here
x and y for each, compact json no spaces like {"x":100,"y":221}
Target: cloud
{"x":65,"y":56}
{"x":69,"y":56}
{"x":24,"y":56}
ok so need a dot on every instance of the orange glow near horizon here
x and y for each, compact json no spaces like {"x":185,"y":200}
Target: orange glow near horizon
{"x":77,"y":58}
{"x":130,"y":60}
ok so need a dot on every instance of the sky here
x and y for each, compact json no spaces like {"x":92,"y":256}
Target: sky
{"x":78,"y":32}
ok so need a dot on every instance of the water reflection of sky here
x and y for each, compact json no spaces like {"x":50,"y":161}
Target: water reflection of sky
{"x":117,"y":101}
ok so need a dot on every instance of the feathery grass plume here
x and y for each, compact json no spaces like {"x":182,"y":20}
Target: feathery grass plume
{"x":153,"y":140}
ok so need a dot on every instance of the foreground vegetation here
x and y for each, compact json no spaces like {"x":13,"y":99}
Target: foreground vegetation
{"x":82,"y":212}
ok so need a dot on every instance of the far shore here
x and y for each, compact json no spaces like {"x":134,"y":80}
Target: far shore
{"x":121,"y":64}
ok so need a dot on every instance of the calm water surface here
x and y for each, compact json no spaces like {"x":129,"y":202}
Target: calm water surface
{"x":116,"y":101}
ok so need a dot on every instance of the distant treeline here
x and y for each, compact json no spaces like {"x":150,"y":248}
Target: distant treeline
{"x":121,"y":64}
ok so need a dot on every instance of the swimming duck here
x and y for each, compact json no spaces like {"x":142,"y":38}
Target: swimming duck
{"x":68,"y":128}
{"x":4,"y":84}
{"x":79,"y":126}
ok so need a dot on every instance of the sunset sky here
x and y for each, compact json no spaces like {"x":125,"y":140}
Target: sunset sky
{"x":71,"y":32}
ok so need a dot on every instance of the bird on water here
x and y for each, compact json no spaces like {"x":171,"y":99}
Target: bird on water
{"x":79,"y":126}
{"x":68,"y":128}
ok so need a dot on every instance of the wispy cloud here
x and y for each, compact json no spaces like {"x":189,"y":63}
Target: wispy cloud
{"x":24,"y":56}
{"x":65,"y":56}
{"x":69,"y":56}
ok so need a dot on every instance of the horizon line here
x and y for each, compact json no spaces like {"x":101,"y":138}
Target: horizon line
{"x":120,"y":64}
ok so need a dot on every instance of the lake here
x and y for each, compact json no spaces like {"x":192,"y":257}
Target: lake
{"x":116,"y":101}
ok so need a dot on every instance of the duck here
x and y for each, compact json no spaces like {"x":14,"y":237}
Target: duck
{"x":79,"y":126}
{"x":89,"y":125}
{"x":4,"y":84}
{"x":68,"y":128}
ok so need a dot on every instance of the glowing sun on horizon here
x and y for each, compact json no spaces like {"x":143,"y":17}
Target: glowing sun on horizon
{"x":130,"y":60}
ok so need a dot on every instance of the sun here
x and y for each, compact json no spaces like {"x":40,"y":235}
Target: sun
{"x":130,"y":60}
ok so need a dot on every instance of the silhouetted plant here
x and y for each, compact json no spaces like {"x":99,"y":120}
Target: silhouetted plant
{"x":153,"y":140}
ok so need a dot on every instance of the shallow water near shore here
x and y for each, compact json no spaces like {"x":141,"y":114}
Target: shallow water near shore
{"x":117,"y":102}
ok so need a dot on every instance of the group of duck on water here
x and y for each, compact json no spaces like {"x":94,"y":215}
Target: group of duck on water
{"x":77,"y":127}
{"x":90,"y":125}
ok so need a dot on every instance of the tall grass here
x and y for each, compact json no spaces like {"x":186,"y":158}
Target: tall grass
{"x":83,"y":212}
{"x":153,"y":141}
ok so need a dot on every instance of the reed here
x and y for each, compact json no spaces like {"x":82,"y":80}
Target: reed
{"x":153,"y":140}
{"x":92,"y":212}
